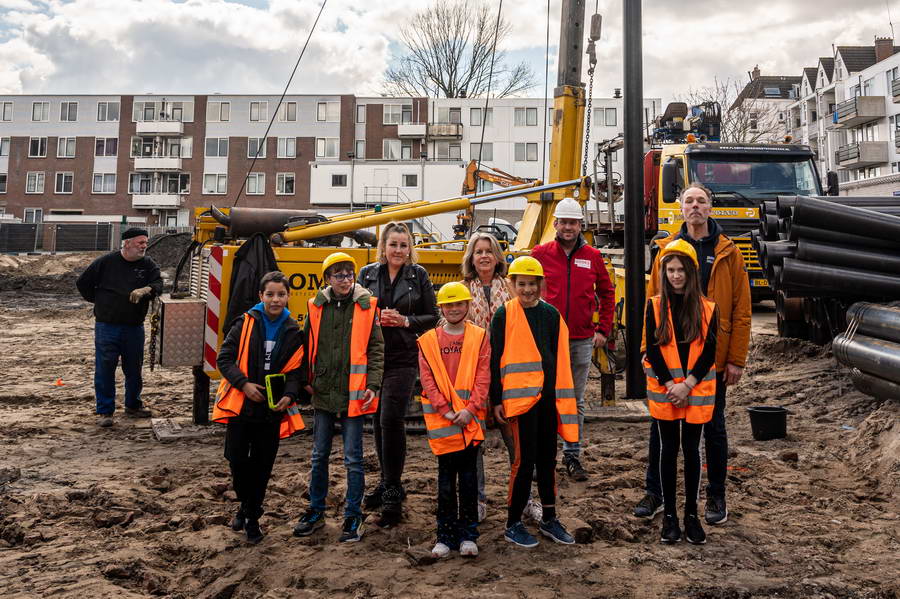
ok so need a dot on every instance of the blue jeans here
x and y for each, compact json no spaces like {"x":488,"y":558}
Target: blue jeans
{"x":351,"y":432}
{"x":716,"y":440}
{"x":580,"y":352}
{"x":112,"y":341}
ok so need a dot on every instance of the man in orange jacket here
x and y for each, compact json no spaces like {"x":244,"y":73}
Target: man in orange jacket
{"x":724,"y":280}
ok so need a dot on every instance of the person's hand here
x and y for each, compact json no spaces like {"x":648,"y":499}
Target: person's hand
{"x":599,"y":340}
{"x":254,"y":392}
{"x":309,"y":389}
{"x":450,"y":415}
{"x":392,"y":318}
{"x":733,"y":374}
{"x":283,"y":404}
{"x":463,"y":418}
{"x":138,"y":294}
{"x":500,"y":414}
{"x":679,"y":394}
{"x":368,"y":398}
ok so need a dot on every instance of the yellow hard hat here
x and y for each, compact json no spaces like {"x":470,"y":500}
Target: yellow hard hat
{"x":526,"y":265}
{"x":680,"y":246}
{"x":453,"y":292}
{"x":335,"y":258}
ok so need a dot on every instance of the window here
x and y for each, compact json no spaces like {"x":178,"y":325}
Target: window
{"x":4,"y":146}
{"x":6,"y":111}
{"x":525,"y":117}
{"x":287,"y":147}
{"x":34,"y":183}
{"x":410,"y":180}
{"x":2,"y":182}
{"x":107,"y":111}
{"x":449,"y":115}
{"x":256,"y":146}
{"x":448,"y":150}
{"x":475,"y":119}
{"x":611,"y":116}
{"x":40,"y":111}
{"x":326,"y":147}
{"x":139,"y":183}
{"x":772,"y":92}
{"x":360,"y":113}
{"x":550,"y":117}
{"x":287,"y":112}
{"x":106,"y":146}
{"x":360,"y":149}
{"x":214,"y":183}
{"x":396,"y":114}
{"x":259,"y":111}
{"x":65,"y":147}
{"x":217,"y":147}
{"x":486,"y":152}
{"x":37,"y":147}
{"x":867,"y":87}
{"x":328,"y":112}
{"x":284,"y":184}
{"x":64,"y":182}
{"x":256,"y":184}
{"x":34,"y":215}
{"x":754,"y":121}
{"x":339,"y":180}
{"x":104,"y":183}
{"x":526,"y":152}
{"x":391,"y":149}
{"x":218,"y":112}
{"x":177,"y":183}
{"x":406,"y":149}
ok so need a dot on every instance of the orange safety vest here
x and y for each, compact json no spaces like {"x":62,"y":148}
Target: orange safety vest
{"x":522,"y":374}
{"x":444,"y":436}
{"x":230,"y":399}
{"x":363,"y":321}
{"x":702,"y":397}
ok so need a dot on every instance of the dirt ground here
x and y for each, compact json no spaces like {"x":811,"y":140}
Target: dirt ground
{"x":114,"y":513}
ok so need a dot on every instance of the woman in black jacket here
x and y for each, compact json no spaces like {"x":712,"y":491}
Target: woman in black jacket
{"x":408,"y":309}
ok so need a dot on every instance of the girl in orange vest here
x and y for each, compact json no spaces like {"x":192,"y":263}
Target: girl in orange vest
{"x":265,"y":341}
{"x":455,"y":371}
{"x":531,"y":386}
{"x":680,"y":331}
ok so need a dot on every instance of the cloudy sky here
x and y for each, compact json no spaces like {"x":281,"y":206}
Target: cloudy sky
{"x":249,"y":46}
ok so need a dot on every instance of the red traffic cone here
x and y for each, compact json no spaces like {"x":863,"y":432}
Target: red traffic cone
{"x":59,"y":383}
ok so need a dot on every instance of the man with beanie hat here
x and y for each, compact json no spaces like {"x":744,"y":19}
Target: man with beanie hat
{"x":120,"y":285}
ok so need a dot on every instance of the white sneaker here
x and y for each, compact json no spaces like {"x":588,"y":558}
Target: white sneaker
{"x":533,"y":511}
{"x":440,"y":550}
{"x":468,"y":549}
{"x":482,"y":511}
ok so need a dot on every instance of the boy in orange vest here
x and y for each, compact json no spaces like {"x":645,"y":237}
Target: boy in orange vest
{"x":531,"y":385}
{"x":454,"y":368}
{"x":345,"y":353}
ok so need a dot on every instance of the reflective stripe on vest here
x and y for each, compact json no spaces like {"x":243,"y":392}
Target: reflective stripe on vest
{"x":702,"y":397}
{"x":522,"y":375}
{"x":444,"y":436}
{"x":230,"y":400}
{"x":361,"y":331}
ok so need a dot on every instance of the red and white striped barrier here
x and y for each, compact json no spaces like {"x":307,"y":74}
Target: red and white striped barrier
{"x":213,"y":304}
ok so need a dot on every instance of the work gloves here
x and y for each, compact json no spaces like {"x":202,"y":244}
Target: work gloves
{"x":138,"y":294}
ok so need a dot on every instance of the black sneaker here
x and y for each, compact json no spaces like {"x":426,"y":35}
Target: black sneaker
{"x":254,"y":532}
{"x":671,"y":533}
{"x":309,"y":523}
{"x":648,"y":507}
{"x":239,"y":521}
{"x":137,"y":412}
{"x":693,"y":532}
{"x":373,"y":499}
{"x":716,"y":511}
{"x":574,"y":468}
{"x":352,"y":530}
{"x":391,"y":508}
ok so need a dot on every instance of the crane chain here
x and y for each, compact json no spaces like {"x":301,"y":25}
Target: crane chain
{"x":587,"y":132}
{"x":154,"y":332}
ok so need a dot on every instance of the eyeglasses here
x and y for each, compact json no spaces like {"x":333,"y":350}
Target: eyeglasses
{"x":342,"y":276}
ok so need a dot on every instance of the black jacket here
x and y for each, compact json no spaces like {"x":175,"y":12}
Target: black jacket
{"x":108,"y":282}
{"x":413,"y":296}
{"x":289,"y":339}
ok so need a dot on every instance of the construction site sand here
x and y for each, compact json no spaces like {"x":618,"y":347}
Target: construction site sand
{"x":113,"y":513}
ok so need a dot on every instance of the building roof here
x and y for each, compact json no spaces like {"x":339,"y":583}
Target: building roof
{"x":827,"y":63}
{"x":811,"y":74}
{"x":857,"y":58}
{"x":767,"y":87}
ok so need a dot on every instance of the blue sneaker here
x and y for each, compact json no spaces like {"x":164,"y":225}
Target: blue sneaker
{"x":311,"y":521}
{"x":556,"y":531}
{"x":352,"y":530}
{"x":518,"y":534}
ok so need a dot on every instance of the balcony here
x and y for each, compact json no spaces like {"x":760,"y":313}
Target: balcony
{"x":149,"y":201}
{"x":163,"y":128}
{"x":411,"y":131}
{"x":157,"y":163}
{"x":895,"y":90}
{"x":859,"y":110}
{"x":897,"y":138}
{"x":861,"y":154}
{"x":445,"y":130}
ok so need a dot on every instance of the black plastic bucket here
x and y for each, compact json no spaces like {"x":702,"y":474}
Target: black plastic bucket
{"x":768,"y":422}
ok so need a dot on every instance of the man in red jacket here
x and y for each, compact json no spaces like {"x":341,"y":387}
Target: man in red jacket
{"x":577,"y":284}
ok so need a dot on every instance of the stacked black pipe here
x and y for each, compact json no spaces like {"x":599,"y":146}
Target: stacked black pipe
{"x":821,"y":254}
{"x":871,"y":346}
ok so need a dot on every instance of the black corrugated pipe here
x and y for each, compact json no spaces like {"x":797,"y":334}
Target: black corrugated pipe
{"x":876,"y":320}
{"x":873,"y":356}
{"x":770,"y":227}
{"x":875,"y":386}
{"x":784,"y":203}
{"x":796,"y":232}
{"x":839,"y":279}
{"x":845,"y":255}
{"x":776,"y":251}
{"x":770,"y":207}
{"x":813,"y":212}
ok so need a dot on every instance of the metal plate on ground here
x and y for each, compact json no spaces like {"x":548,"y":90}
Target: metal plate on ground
{"x":623,"y":411}
{"x":174,"y":429}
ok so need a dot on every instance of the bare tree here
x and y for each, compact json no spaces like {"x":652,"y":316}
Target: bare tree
{"x":744,"y":119}
{"x":448,"y":49}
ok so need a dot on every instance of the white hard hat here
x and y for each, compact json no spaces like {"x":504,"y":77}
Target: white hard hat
{"x":568,"y":208}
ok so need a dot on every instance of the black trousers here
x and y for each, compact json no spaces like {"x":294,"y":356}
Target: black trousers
{"x":457,"y":521}
{"x":390,"y":422}
{"x":250,"y":448}
{"x":673,"y":433}
{"x":534,"y":435}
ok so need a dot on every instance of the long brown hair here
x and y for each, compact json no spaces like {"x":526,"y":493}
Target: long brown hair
{"x":691,"y":308}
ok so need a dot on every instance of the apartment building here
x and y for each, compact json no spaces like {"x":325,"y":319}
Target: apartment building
{"x":154,"y":158}
{"x":763,"y":100}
